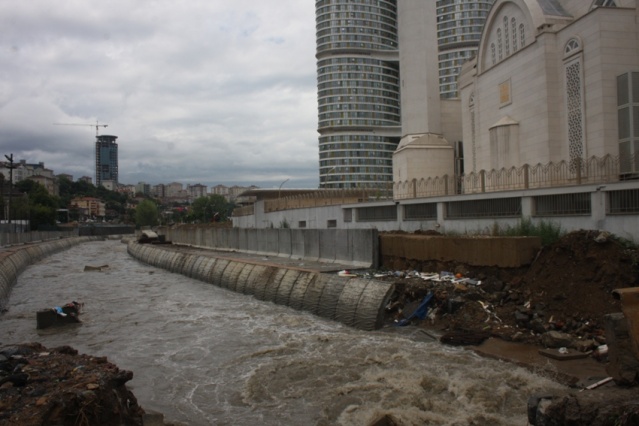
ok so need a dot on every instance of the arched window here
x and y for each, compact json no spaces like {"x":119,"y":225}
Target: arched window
{"x":493,"y":53}
{"x":573,"y":46}
{"x":506,"y":36}
{"x":514,"y":31}
{"x":499,"y":44}
{"x":522,"y":35}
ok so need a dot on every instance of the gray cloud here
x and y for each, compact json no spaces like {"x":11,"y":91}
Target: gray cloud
{"x":210,"y":92}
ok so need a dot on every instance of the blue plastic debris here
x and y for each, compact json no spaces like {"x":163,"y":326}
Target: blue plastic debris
{"x":420,"y":312}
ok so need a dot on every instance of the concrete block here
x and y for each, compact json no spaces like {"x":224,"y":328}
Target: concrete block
{"x":285,"y":248}
{"x":271,"y":241}
{"x":327,"y":244}
{"x":297,"y":244}
{"x":311,"y":238}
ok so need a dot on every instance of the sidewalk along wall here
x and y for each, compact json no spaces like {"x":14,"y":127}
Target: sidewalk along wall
{"x":357,"y":247}
{"x":503,"y":252}
{"x":12,"y":238}
{"x":355,"y":302}
{"x":13,"y":260}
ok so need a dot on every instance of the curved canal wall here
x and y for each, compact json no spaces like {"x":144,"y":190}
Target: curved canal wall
{"x":14,"y":259}
{"x":355,"y":302}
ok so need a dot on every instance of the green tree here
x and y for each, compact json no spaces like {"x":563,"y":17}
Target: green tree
{"x":38,"y":205}
{"x":212,"y":208}
{"x":146,"y":214}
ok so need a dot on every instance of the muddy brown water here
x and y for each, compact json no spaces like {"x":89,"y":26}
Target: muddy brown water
{"x":203,"y":355}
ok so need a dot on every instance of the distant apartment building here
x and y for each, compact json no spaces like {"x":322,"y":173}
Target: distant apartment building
{"x":106,"y":159}
{"x":158,"y":191}
{"x":49,"y":183}
{"x":89,"y":207}
{"x":143,"y":188}
{"x":23,"y":170}
{"x":65,"y":176}
{"x":174,"y":189}
{"x":196,"y":191}
{"x":222,"y":190}
{"x":87,"y":179}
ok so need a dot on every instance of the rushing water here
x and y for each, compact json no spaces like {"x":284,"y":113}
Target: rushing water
{"x":203,"y":355}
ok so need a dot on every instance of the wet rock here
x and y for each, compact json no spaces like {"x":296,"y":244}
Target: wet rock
{"x":584,"y":345}
{"x":556,"y":339}
{"x":623,"y":366}
{"x":537,"y":326}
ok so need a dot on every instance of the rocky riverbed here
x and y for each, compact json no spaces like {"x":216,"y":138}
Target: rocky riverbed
{"x":58,"y":386}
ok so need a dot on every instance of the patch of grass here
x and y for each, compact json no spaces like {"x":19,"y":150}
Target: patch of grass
{"x":549,"y":232}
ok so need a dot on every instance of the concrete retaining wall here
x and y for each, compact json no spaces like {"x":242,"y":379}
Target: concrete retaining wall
{"x":13,"y":260}
{"x":504,"y":252}
{"x":355,"y":302}
{"x":357,"y":247}
{"x":12,"y":238}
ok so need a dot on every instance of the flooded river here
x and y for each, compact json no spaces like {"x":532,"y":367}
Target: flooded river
{"x":203,"y":355}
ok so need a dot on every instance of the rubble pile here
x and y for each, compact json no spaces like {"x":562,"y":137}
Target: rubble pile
{"x":558,"y":301}
{"x":40,"y":386}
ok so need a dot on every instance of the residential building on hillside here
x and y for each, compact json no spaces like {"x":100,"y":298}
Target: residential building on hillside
{"x":197,"y":190}
{"x":143,"y":188}
{"x":23,"y":170}
{"x":89,"y":207}
{"x":222,"y":190}
{"x":106,"y":159}
{"x":174,"y":189}
{"x":159,"y":190}
{"x":49,"y":183}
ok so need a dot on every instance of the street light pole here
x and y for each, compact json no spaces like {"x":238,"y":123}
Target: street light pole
{"x":280,"y":188}
{"x":10,"y":158}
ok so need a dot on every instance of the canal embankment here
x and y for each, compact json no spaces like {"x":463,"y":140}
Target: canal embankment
{"x":13,"y":259}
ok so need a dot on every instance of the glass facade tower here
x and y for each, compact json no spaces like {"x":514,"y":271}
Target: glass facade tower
{"x":358,"y":92}
{"x":106,"y":159}
{"x":459,"y":27}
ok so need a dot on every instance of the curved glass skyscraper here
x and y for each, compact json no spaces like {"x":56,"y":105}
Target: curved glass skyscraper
{"x":358,"y":91}
{"x":459,"y":27}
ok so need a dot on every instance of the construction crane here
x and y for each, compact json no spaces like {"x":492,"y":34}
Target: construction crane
{"x":97,"y":125}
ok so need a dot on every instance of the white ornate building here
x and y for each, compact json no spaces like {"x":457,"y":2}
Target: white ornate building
{"x":553,"y":81}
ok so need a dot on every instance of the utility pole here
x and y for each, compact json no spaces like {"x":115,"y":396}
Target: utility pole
{"x":10,"y":158}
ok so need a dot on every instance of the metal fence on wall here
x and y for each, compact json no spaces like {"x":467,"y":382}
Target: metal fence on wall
{"x":594,"y":170}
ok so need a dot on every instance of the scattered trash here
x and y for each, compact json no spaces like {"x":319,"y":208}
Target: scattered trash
{"x":59,"y":315}
{"x":346,"y":273}
{"x":95,"y":268}
{"x":596,"y":385}
{"x":420,"y":312}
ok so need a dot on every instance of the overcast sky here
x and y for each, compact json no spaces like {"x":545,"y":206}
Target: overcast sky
{"x":200,"y":91}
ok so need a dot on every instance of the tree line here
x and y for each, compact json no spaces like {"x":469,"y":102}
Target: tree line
{"x":29,"y":201}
